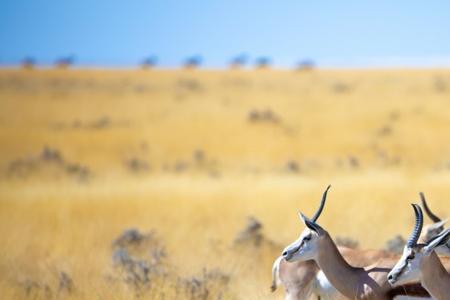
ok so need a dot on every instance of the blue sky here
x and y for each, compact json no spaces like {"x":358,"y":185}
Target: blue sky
{"x":333,"y":33}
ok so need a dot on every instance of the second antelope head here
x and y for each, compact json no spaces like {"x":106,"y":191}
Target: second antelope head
{"x":306,"y":246}
{"x":432,"y":230}
{"x":408,"y":268}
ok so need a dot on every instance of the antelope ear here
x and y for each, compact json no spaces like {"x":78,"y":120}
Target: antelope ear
{"x":437,"y":225}
{"x":311,"y":225}
{"x":439,"y":240}
{"x":302,"y":217}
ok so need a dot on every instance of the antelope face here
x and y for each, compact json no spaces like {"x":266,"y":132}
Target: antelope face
{"x":307,"y":245}
{"x":303,"y":248}
{"x":433,"y":230}
{"x":407,"y":268}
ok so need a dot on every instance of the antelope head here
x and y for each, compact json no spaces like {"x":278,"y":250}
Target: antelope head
{"x":430,"y":231}
{"x":408,"y":268}
{"x":306,"y":246}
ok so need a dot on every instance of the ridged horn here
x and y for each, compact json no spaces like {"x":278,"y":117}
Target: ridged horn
{"x":322,"y":204}
{"x":412,"y":241}
{"x":430,"y":214}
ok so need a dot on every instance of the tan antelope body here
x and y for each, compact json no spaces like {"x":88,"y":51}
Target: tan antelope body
{"x":303,"y":279}
{"x":298,"y":278}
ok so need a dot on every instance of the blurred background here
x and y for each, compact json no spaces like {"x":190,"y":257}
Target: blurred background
{"x":162,"y":149}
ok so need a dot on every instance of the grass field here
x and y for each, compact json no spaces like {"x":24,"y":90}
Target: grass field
{"x":186,"y":156}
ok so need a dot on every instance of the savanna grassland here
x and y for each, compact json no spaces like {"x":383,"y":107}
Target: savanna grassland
{"x":185,"y":157}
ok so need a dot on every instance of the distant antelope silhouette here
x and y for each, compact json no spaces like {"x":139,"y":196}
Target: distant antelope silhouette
{"x":149,"y":62}
{"x":305,"y":65}
{"x":65,"y":62}
{"x":193,"y":62}
{"x":238,"y":61}
{"x":28,"y":63}
{"x":263,"y":62}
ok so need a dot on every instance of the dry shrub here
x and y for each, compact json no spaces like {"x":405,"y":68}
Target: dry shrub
{"x":292,"y":166}
{"x":208,"y":285}
{"x":138,"y":258}
{"x":49,"y":160}
{"x":347,"y":242}
{"x":188,"y":85}
{"x":137,"y":165}
{"x":265,"y":115}
{"x":252,"y":235}
{"x":395,"y":244}
{"x":341,"y":87}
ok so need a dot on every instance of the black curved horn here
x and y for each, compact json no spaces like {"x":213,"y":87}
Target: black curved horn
{"x":322,"y":204}
{"x":412,"y":241}
{"x":430,"y":214}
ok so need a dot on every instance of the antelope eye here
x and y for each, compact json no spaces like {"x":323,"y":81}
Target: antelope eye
{"x":307,"y":238}
{"x":411,"y":256}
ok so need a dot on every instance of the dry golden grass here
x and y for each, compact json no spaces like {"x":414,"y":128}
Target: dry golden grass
{"x":377,"y":136}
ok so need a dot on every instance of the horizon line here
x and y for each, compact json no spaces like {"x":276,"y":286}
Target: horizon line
{"x":250,"y":62}
{"x":138,"y":67}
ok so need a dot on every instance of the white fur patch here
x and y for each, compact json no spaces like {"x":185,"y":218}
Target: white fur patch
{"x":323,"y":288}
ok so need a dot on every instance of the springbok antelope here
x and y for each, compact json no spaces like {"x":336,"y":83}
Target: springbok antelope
{"x":301,"y":279}
{"x":420,"y":262}
{"x":352,"y":282}
{"x":65,"y":62}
